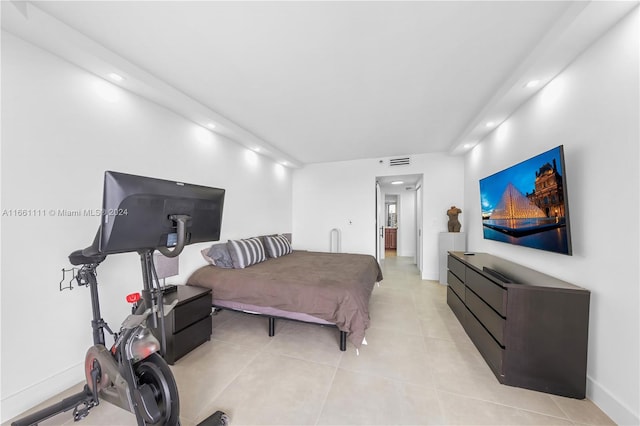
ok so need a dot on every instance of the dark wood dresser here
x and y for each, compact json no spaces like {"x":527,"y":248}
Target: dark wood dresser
{"x":531,"y":329}
{"x":188,"y":325}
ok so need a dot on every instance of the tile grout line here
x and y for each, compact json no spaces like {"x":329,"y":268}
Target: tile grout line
{"x":566,"y":418}
{"x":326,"y":396}
{"x":235,"y":377}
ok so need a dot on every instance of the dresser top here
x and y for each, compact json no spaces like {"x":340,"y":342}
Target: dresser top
{"x":510,"y":274}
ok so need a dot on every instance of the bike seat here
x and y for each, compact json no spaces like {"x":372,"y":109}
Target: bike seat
{"x":78,"y":257}
{"x":89,"y":255}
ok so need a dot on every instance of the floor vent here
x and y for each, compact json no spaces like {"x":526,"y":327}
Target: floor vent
{"x":404,"y":161}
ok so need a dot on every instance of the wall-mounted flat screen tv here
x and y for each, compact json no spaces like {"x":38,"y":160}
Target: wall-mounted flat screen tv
{"x":526,"y":204}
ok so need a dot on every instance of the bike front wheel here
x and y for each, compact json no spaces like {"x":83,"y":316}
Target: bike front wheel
{"x":154,"y":372}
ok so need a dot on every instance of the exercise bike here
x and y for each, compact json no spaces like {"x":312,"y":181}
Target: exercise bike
{"x":132,"y":373}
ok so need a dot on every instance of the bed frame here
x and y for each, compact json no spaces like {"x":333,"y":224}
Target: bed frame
{"x":272,"y":314}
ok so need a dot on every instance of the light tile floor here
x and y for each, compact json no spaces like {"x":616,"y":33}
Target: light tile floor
{"x":418,"y":368}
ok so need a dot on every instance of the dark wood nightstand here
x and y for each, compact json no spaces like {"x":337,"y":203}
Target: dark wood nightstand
{"x":188,"y":325}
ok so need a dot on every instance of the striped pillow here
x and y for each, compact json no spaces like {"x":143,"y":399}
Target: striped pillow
{"x":246,"y":252}
{"x":277,"y":246}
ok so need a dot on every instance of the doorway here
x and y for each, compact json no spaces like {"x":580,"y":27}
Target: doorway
{"x":398,"y":217}
{"x":391,"y":225}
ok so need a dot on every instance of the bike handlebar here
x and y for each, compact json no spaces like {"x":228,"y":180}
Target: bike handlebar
{"x":181,"y":221}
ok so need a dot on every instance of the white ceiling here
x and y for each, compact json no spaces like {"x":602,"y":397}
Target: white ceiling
{"x":410,"y":182}
{"x":325,"y":81}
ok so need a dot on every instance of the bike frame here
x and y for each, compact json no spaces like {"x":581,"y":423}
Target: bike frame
{"x":133,"y":343}
{"x":110,"y":374}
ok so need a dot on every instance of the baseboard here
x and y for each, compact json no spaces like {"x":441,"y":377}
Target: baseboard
{"x":19,"y":402}
{"x":612,"y":407}
{"x":430,"y":276}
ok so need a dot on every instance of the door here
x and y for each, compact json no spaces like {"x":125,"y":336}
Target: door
{"x":380,"y":221}
{"x":419,"y":224}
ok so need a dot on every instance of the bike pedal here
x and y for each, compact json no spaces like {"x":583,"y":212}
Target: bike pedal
{"x":219,"y":418}
{"x":79,"y":414}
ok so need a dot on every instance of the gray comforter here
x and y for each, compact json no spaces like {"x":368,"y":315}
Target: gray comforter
{"x":335,"y":287}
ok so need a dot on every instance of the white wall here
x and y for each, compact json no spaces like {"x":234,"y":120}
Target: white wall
{"x":342,"y":195}
{"x":61,"y":129}
{"x":591,"y":108}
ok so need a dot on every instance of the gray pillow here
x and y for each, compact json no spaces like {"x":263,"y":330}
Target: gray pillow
{"x":218,"y":255}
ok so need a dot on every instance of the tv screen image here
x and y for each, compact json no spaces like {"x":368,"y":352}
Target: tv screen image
{"x":526,"y":204}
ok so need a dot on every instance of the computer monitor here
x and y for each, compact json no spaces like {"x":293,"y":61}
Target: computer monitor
{"x":137,"y":211}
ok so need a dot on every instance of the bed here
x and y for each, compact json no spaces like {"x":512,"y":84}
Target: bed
{"x":323,"y":288}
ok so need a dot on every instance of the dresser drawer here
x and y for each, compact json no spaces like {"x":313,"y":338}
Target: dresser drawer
{"x":456,"y":285}
{"x":492,"y":353}
{"x":493,"y":322}
{"x":456,"y":305}
{"x":494,"y":295}
{"x":458,"y":268}
{"x":186,"y":314}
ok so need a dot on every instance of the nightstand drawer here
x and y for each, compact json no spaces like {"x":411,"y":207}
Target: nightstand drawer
{"x":192,"y":337}
{"x":189,"y":313}
{"x":189,"y":323}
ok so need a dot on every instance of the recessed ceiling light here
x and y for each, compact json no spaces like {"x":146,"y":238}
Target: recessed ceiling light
{"x":397,"y":182}
{"x":490,"y":124}
{"x":116,"y":77}
{"x":532,"y":84}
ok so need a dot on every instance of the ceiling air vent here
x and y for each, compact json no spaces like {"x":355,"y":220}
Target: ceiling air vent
{"x":403,"y":161}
